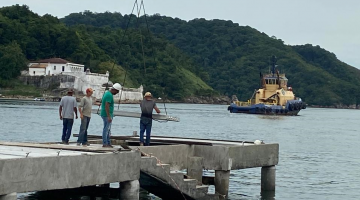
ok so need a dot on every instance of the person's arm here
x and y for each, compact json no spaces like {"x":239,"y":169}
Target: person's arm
{"x":81,"y":114}
{"x":81,"y":106}
{"x":157,"y":109}
{"x":75,"y":108}
{"x":107,"y":109}
{"x":60,"y":112}
{"x":75,"y":111}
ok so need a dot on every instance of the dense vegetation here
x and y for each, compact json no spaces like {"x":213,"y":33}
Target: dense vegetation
{"x":180,"y":57}
{"x":233,"y":56}
{"x":25,"y":36}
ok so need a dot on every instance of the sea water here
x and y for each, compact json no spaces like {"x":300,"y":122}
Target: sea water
{"x":319,"y":156}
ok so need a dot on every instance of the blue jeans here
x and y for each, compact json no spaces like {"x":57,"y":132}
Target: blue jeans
{"x":106,"y":131}
{"x":83,"y":130}
{"x":67,"y":126}
{"x":145,"y":124}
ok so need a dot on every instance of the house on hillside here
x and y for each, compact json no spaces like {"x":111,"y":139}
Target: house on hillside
{"x":65,"y":74}
{"x":53,"y":66}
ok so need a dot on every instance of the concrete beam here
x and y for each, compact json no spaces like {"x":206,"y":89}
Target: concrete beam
{"x":60,"y":172}
{"x":12,"y":196}
{"x":130,"y":190}
{"x":238,"y":157}
{"x":174,"y":155}
{"x":195,"y":168}
{"x":222,"y":181}
{"x":268,"y":178}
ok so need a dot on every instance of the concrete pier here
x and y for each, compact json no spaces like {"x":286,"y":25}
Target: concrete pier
{"x":129,"y":189}
{"x":12,"y":196}
{"x":195,"y":168}
{"x":28,"y":167}
{"x":268,"y":178}
{"x":222,"y":182}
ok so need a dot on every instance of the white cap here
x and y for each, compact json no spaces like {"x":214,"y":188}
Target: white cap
{"x":116,"y":86}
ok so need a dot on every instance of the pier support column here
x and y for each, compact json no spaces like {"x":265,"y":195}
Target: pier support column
{"x":12,"y":196}
{"x":195,"y":168}
{"x":268,"y":178}
{"x":130,"y":190}
{"x":222,"y":181}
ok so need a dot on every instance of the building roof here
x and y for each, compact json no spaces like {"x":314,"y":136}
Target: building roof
{"x":52,"y":60}
{"x":40,"y":65}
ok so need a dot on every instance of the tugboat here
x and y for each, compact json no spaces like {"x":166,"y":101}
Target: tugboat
{"x":273,"y":98}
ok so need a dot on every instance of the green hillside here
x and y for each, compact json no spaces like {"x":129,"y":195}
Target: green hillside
{"x":147,"y":59}
{"x":233,"y":56}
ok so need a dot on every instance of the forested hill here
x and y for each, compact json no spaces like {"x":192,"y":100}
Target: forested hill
{"x":158,"y":65}
{"x":234,"y":55}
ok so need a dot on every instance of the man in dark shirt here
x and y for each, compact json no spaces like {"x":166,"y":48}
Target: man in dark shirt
{"x":147,"y":105}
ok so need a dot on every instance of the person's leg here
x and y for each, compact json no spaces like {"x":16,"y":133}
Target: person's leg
{"x":82,"y":131}
{"x":148,"y":132}
{"x":109,"y":134}
{"x":142,"y":130}
{"x":105,"y":131}
{"x":85,"y":141}
{"x":64,"y":130}
{"x":69,"y":128}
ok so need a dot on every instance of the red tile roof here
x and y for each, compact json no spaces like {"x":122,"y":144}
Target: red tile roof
{"x":52,"y":60}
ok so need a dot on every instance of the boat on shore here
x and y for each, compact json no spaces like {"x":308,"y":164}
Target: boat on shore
{"x":273,"y":98}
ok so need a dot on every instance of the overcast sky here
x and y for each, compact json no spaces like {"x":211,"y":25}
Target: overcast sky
{"x":332,"y":24}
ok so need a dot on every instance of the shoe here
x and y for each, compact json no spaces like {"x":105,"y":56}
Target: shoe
{"x":78,"y":144}
{"x":110,"y":146}
{"x":66,"y":143}
{"x":141,"y":144}
{"x":63,"y":141}
{"x":86,"y":144}
{"x":105,"y":146}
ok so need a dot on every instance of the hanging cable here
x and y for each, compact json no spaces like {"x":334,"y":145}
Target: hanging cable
{"x":112,"y":69}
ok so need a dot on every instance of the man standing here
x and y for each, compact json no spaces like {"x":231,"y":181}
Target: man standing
{"x":68,"y":107}
{"x":85,"y":116}
{"x":147,"y":105}
{"x":107,"y":112}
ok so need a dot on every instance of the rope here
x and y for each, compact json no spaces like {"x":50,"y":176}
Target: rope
{"x":121,"y":41}
{"x":137,"y":24}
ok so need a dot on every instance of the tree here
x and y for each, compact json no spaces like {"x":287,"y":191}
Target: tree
{"x":12,"y":61}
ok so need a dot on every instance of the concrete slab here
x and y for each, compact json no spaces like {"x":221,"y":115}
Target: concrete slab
{"x":68,"y":170}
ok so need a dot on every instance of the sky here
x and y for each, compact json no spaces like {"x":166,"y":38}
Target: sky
{"x":331,"y":24}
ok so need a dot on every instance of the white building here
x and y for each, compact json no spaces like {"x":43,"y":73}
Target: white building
{"x":53,"y":66}
{"x":83,"y":79}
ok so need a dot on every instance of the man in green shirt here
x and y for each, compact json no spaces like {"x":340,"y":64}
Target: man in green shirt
{"x":107,"y":112}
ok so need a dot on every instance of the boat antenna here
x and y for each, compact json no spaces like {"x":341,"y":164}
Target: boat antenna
{"x":273,"y":64}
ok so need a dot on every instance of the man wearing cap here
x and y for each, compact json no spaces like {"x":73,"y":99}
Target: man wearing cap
{"x":147,"y":105}
{"x":107,"y":112}
{"x":68,"y":107}
{"x":85,"y":116}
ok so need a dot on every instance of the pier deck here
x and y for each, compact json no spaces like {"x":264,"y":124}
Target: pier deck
{"x":28,"y":167}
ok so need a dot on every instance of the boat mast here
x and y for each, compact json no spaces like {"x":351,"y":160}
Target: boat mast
{"x":273,"y":64}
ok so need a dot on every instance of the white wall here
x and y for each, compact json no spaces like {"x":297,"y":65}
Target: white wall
{"x":53,"y":69}
{"x":38,"y":71}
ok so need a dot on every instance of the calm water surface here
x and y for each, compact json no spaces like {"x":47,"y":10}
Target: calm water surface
{"x":319,"y":150}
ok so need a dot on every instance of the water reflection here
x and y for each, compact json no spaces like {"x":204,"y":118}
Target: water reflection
{"x":85,"y":193}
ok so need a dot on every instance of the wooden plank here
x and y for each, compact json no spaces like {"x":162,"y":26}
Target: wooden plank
{"x":152,"y":139}
{"x":62,"y":147}
{"x":138,"y":115}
